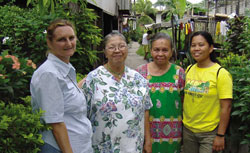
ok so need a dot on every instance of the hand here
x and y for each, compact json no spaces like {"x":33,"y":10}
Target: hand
{"x":147,"y":147}
{"x":81,"y":82}
{"x":219,"y":143}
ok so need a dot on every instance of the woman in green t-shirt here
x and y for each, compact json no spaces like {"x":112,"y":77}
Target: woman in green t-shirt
{"x":166,"y":81}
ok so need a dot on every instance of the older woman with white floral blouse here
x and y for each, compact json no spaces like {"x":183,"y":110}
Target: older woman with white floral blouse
{"x":118,"y":100}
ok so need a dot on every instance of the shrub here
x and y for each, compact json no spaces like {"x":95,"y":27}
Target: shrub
{"x":27,"y":38}
{"x":19,"y":128}
{"x":15,"y":75}
{"x":238,"y":64}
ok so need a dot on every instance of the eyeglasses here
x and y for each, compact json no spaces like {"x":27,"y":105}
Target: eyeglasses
{"x":120,"y":47}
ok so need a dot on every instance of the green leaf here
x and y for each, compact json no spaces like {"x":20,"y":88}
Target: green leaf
{"x":118,"y":115}
{"x":139,"y":93}
{"x":236,"y":113}
{"x":130,"y":122}
{"x":45,"y":2}
{"x":111,"y":95}
{"x":28,"y":2}
{"x":104,"y":99}
{"x":108,"y":124}
{"x":113,"y":89}
{"x":103,"y":83}
{"x":105,"y":118}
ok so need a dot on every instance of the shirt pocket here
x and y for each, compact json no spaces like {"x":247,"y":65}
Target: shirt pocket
{"x":74,"y":100}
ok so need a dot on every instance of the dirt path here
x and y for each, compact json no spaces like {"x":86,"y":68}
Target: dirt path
{"x":133,"y":60}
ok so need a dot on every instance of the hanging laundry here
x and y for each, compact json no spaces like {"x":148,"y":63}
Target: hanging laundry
{"x":192,"y":25}
{"x":186,"y":29}
{"x":181,"y":26}
{"x":189,"y":28}
{"x":217,"y":28}
{"x":223,"y":28}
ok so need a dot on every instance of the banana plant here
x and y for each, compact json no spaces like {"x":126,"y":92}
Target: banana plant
{"x":174,"y":8}
{"x":48,"y":5}
{"x":144,"y":8}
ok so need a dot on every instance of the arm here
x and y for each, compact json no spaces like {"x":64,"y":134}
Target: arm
{"x":61,"y":135}
{"x":147,"y":145}
{"x":219,"y":142}
{"x":81,"y":82}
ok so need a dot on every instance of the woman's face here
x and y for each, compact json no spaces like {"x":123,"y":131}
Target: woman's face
{"x":116,"y":50}
{"x":200,"y":49}
{"x":161,"y":51}
{"x":63,"y":44}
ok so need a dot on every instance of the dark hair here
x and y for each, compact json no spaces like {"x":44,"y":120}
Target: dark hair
{"x":206,"y":35}
{"x":161,"y":35}
{"x":149,"y":32}
{"x":57,"y":23}
{"x":112,"y":34}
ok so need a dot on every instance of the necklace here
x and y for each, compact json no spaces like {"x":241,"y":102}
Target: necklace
{"x":117,"y":74}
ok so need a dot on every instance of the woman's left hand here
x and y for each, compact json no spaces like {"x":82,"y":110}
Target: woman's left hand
{"x":219,"y":143}
{"x":147,"y":147}
{"x":81,"y":82}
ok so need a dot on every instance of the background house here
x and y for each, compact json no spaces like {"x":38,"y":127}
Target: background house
{"x":112,"y":14}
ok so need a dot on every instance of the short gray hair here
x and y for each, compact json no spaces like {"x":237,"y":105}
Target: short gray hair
{"x":112,"y":34}
{"x":161,"y":35}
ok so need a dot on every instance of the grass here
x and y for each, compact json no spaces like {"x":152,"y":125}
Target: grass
{"x":141,"y":52}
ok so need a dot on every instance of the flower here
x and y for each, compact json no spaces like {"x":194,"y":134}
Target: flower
{"x":171,"y":89}
{"x":5,"y":39}
{"x":176,"y":77}
{"x":31,"y":64}
{"x":151,"y":118}
{"x":162,"y":118}
{"x":2,"y":76}
{"x":149,"y":77}
{"x":162,"y":89}
{"x":16,"y":66}
{"x":153,"y":89}
{"x":12,"y":69}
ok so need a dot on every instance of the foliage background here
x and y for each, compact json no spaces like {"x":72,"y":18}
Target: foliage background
{"x":235,"y":58}
{"x":22,"y":46}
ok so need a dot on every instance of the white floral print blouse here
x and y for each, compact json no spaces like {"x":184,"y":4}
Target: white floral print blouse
{"x":116,"y":110}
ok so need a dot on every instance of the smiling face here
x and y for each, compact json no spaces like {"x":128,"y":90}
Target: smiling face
{"x":63,"y":43}
{"x":161,"y":51}
{"x":200,"y":49}
{"x":116,"y":50}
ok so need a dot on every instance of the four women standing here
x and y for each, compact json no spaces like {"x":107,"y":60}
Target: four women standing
{"x":166,"y":81}
{"x":118,"y":98}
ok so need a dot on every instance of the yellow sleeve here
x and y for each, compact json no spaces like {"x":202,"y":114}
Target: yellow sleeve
{"x":225,"y":84}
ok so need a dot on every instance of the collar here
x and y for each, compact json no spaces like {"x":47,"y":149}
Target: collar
{"x":63,"y":67}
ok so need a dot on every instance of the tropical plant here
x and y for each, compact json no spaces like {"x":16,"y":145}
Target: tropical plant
{"x":238,"y":64}
{"x":20,"y":128}
{"x":15,"y":75}
{"x":160,"y":4}
{"x":27,"y":37}
{"x":174,"y":9}
{"x":144,"y":8}
{"x":48,"y":5}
